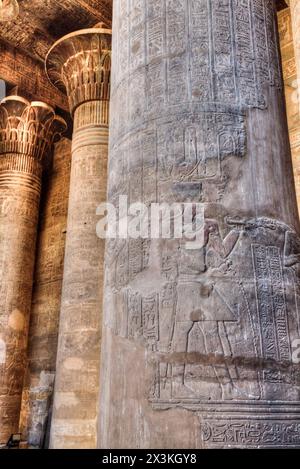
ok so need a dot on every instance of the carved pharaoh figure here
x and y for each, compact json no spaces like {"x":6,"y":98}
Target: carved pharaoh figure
{"x":198,"y":117}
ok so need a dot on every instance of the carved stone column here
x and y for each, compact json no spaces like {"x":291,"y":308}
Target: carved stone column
{"x":197,"y":345}
{"x":46,"y":300}
{"x":27,"y":131}
{"x":80,"y":62}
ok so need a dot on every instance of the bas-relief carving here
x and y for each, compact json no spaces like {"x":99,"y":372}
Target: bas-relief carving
{"x":230,"y":58}
{"x":285,"y":27}
{"x":192,"y":161}
{"x":80,"y":64}
{"x":228,"y":65}
{"x":28,"y":75}
{"x":218,"y":323}
{"x":219,"y":327}
{"x":27,"y":132}
{"x":243,"y":282}
{"x":46,"y":299}
{"x":253,"y":434}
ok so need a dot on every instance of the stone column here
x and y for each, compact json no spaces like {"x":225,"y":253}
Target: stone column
{"x":197,"y":344}
{"x":46,"y":299}
{"x":27,"y":131}
{"x":80,"y":62}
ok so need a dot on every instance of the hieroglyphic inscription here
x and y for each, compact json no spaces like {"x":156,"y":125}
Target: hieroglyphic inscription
{"x":27,"y":132}
{"x":199,"y":80}
{"x":46,"y":298}
{"x":28,"y":76}
{"x":231,"y":54}
{"x":80,"y":64}
{"x":263,"y":433}
{"x":143,"y":318}
{"x":271,"y":303}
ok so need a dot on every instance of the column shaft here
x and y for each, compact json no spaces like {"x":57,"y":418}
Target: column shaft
{"x":197,"y":344}
{"x":46,"y":300}
{"x":27,"y":131}
{"x":77,"y":377}
{"x":80,"y":64}
{"x":19,"y":209}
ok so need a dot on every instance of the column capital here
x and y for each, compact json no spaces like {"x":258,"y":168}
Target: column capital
{"x":28,"y":128}
{"x":79,"y":64}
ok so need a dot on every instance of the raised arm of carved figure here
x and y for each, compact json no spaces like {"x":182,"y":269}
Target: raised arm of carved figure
{"x":230,"y":241}
{"x":223,"y":247}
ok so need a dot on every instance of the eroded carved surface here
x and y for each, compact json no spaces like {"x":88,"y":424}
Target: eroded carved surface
{"x":46,"y":298}
{"x":81,"y":64}
{"x":27,"y":131}
{"x":209,"y":330}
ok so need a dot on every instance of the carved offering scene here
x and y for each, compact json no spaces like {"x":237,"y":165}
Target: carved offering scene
{"x":149,"y":225}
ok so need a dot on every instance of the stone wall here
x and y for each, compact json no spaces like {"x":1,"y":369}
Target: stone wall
{"x":28,"y":76}
{"x":291,"y":90}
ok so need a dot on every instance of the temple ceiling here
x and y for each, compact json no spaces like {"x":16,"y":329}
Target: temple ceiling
{"x":41,"y":22}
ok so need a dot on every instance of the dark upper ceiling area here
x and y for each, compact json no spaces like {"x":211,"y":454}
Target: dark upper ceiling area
{"x":281,"y":4}
{"x":41,"y":22}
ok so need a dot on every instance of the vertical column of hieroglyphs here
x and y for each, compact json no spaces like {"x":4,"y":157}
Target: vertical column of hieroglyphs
{"x":27,"y":131}
{"x":46,"y":298}
{"x":197,"y":344}
{"x":290,"y":53}
{"x":81,"y":63}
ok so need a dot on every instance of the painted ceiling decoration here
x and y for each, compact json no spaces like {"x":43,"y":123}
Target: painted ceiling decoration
{"x":41,"y":22}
